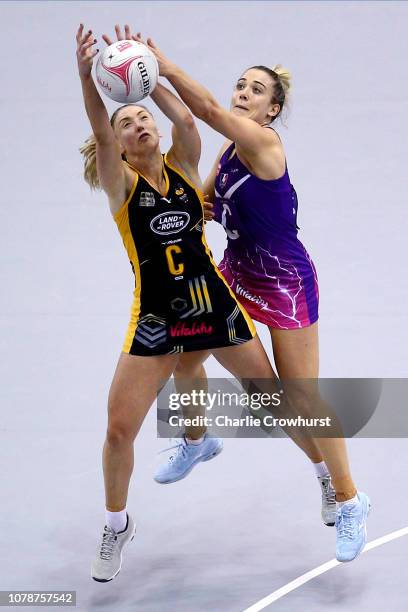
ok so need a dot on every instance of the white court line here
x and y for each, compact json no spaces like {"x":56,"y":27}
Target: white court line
{"x":291,"y":586}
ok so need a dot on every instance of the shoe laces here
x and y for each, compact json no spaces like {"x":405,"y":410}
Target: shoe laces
{"x":109,"y":538}
{"x":346,"y":522}
{"x":181,"y":449}
{"x":328,"y":492}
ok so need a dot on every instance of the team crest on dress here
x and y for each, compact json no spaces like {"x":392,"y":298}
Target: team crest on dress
{"x":181,"y":194}
{"x":223,"y":179}
{"x":147,"y":199}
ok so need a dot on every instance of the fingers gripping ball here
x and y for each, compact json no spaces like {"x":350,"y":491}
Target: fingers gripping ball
{"x":127,"y":71}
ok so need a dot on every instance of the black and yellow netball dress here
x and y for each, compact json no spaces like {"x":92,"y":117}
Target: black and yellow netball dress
{"x":181,"y":300}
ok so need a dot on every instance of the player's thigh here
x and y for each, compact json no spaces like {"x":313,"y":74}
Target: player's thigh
{"x":189,"y":364}
{"x":248,"y":360}
{"x":296,"y":354}
{"x":134,"y":388}
{"x":296,"y":351}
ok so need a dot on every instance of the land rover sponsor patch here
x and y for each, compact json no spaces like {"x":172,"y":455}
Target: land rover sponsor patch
{"x":170,"y":223}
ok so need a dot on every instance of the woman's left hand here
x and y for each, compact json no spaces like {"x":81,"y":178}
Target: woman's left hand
{"x":165,"y":66}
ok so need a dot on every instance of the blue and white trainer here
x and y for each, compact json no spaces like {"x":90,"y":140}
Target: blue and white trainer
{"x":351,"y":528}
{"x":185,"y":457}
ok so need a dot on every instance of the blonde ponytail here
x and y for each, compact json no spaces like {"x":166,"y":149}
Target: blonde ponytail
{"x":88,"y":151}
{"x":284,"y":75}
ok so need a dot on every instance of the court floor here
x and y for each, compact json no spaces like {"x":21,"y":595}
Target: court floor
{"x":239,"y":527}
{"x":237,"y":532}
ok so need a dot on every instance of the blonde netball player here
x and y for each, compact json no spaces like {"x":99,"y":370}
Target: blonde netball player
{"x":265,"y":264}
{"x":172,"y":273}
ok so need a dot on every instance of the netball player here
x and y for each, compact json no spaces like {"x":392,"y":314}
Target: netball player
{"x":265,"y":264}
{"x":151,"y":195}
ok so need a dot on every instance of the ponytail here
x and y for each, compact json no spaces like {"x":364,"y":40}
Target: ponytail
{"x":284,"y":77}
{"x":88,"y":152}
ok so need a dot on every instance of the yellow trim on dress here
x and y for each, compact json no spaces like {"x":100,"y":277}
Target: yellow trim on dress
{"x":199,"y":192}
{"x":166,"y":178}
{"x":122,"y":220}
{"x":117,"y":215}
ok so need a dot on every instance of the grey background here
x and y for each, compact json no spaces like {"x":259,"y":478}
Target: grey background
{"x":247,"y":523}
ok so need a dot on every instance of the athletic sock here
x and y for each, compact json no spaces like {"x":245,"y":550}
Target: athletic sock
{"x":195,"y":442}
{"x":116,"y":520}
{"x":353,"y":501}
{"x":321,"y":469}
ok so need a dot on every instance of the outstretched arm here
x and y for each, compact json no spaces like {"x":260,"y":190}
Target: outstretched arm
{"x":110,"y":168}
{"x":248,"y":134}
{"x":186,"y":147}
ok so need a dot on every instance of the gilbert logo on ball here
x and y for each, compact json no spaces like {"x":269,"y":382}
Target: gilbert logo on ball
{"x":127,"y":71}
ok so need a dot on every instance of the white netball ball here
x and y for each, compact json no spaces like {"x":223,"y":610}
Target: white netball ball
{"x":127,"y":71}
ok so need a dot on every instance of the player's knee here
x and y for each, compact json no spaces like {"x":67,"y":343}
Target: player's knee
{"x":304,"y":403}
{"x":118,"y":435}
{"x":120,"y":431}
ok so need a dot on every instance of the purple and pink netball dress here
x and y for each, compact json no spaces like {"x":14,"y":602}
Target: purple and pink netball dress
{"x":265,"y":264}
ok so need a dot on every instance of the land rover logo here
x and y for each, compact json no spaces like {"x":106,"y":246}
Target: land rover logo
{"x":170,"y":222}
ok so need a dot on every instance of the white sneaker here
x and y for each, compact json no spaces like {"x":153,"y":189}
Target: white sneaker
{"x":328,"y":501}
{"x":351,"y":528}
{"x":186,"y":456}
{"x":108,"y":560}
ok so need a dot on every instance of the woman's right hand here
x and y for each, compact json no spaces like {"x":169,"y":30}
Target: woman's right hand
{"x":84,"y":52}
{"x":166,"y":67}
{"x":208,"y":209}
